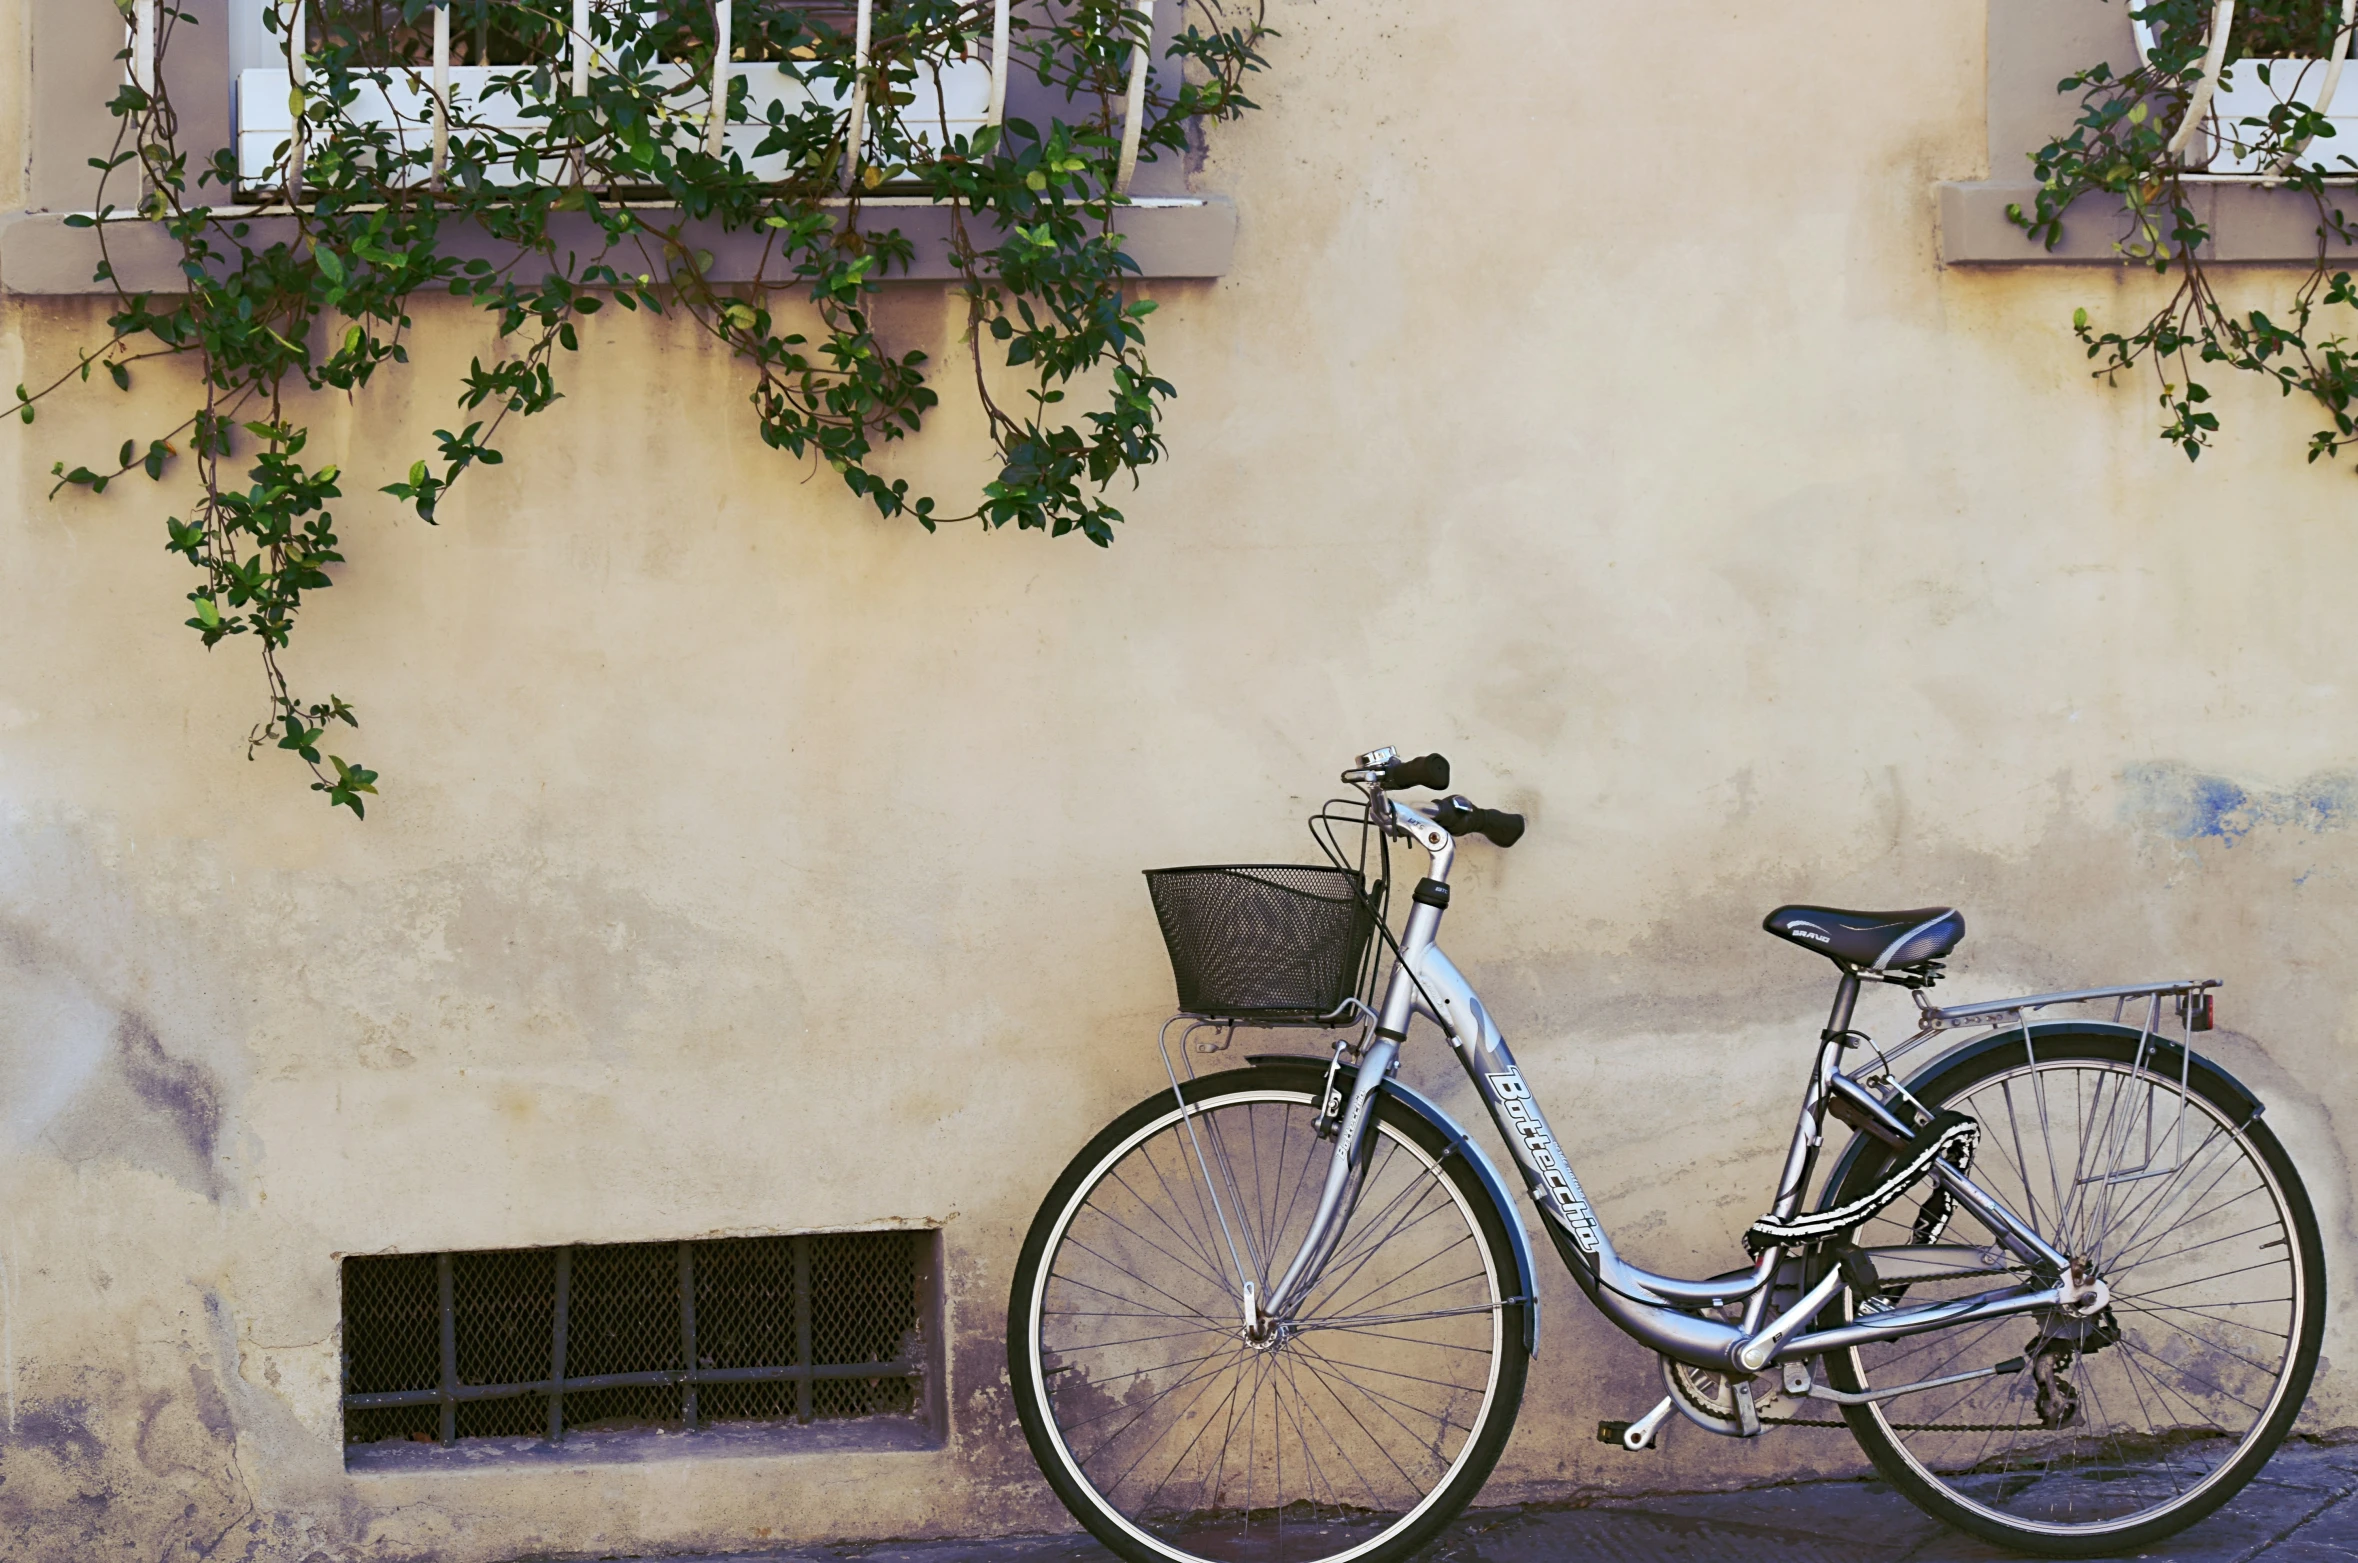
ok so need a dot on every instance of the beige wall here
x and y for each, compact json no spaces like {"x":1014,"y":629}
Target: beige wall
{"x":1589,"y":408}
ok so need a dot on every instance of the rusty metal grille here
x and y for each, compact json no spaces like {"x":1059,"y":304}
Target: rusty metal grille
{"x":534,"y":1341}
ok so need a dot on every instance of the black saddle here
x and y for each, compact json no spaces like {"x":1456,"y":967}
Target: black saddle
{"x":1877,"y":941}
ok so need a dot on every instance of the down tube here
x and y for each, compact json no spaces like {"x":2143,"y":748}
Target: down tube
{"x":1620,"y":1290}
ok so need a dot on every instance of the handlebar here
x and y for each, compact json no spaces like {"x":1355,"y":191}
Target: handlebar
{"x":1461,"y":817}
{"x":1428,"y":770}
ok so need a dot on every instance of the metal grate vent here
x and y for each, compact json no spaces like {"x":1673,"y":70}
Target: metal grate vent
{"x":533,"y":1341}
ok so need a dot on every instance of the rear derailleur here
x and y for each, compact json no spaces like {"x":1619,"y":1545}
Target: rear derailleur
{"x":2066,"y":1335}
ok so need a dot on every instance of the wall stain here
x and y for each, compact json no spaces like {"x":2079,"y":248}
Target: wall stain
{"x":182,"y":1091}
{"x":86,"y":1076}
{"x":2191,"y":805}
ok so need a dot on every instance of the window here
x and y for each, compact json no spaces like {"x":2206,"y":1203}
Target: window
{"x":2304,"y":63}
{"x":1171,"y":231}
{"x":2033,"y":44}
{"x":539,"y":1342}
{"x":495,"y":75}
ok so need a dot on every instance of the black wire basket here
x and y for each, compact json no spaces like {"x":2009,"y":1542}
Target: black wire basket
{"x":1270,"y":943}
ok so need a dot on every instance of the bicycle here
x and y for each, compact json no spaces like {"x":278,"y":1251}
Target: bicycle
{"x":2063,"y":1286}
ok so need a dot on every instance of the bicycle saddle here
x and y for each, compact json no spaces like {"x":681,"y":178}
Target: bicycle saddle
{"x":1874,"y":940}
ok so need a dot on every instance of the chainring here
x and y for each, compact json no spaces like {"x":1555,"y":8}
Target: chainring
{"x":1710,"y":1397}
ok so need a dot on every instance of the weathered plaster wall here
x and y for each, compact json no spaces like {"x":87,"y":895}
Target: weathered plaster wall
{"x":745,"y":864}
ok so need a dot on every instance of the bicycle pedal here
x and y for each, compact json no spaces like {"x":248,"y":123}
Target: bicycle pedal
{"x":1614,"y":1432}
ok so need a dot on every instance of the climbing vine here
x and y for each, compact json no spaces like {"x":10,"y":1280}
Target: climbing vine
{"x":553,"y":196}
{"x":2121,"y":149}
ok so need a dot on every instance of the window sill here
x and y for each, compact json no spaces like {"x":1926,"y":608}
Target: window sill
{"x":640,"y":1446}
{"x":2250,"y":223}
{"x":41,"y":256}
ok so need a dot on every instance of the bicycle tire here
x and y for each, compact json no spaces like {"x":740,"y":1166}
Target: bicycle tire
{"x":1312,"y":1512}
{"x":2052,"y":1490}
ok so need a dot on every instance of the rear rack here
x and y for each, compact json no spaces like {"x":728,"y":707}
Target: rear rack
{"x":2192,"y":1012}
{"x":2001,"y":1012}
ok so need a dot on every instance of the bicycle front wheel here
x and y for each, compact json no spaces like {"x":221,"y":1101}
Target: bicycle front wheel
{"x":2128,"y":1424}
{"x":1355,"y":1427}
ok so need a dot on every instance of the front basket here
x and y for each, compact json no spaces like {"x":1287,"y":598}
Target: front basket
{"x":1276,"y":943}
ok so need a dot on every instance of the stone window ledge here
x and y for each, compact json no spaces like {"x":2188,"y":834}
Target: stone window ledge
{"x":1169,"y":236}
{"x":2249,"y":223}
{"x":639,"y":1446}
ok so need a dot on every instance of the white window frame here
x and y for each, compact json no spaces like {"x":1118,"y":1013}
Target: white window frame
{"x":966,"y":94}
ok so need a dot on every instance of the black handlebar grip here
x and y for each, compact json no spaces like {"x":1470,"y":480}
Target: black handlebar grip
{"x":1426,"y":770}
{"x":1460,"y":817}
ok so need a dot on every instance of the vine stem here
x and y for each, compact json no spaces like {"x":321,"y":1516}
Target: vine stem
{"x":281,"y":307}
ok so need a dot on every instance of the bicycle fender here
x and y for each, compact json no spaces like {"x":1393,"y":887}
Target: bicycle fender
{"x":2163,"y":1056}
{"x":1527,"y":1273}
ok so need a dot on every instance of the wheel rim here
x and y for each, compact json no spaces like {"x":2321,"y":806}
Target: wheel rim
{"x":1325,"y":1440}
{"x":2124,"y":1416}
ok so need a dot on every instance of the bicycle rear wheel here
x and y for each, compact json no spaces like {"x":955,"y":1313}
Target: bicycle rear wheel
{"x":1353,"y":1430}
{"x":2132,"y":1424}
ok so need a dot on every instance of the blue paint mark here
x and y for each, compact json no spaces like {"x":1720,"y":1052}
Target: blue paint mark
{"x":2192,"y":805}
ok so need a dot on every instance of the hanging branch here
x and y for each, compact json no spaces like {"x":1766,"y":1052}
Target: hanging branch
{"x":2132,"y":147}
{"x":314,"y":295}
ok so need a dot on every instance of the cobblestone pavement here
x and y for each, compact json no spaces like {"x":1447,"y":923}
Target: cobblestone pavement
{"x":2302,"y":1509}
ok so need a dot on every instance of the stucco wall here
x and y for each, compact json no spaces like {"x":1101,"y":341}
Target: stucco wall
{"x":1592,"y":410}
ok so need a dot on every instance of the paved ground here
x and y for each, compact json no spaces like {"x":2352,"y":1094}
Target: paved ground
{"x":2303,"y":1509}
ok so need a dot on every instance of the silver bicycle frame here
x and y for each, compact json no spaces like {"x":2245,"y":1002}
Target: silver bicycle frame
{"x":1663,"y":1312}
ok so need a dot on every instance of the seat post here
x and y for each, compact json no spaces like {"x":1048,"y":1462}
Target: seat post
{"x":1846,"y":996}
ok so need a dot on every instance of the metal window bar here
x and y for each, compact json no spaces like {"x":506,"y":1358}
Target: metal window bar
{"x":447,"y":1394}
{"x":142,"y":74}
{"x":298,"y":39}
{"x":441,"y":94}
{"x":143,"y":46}
{"x":857,"y":1255}
{"x":717,"y":124}
{"x":1134,"y":107}
{"x":688,"y":1307}
{"x":802,"y":1328}
{"x":856,"y":129}
{"x":564,"y":1300}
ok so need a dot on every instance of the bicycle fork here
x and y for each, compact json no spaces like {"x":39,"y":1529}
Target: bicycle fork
{"x":1343,"y":1175}
{"x":1260,"y":1308}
